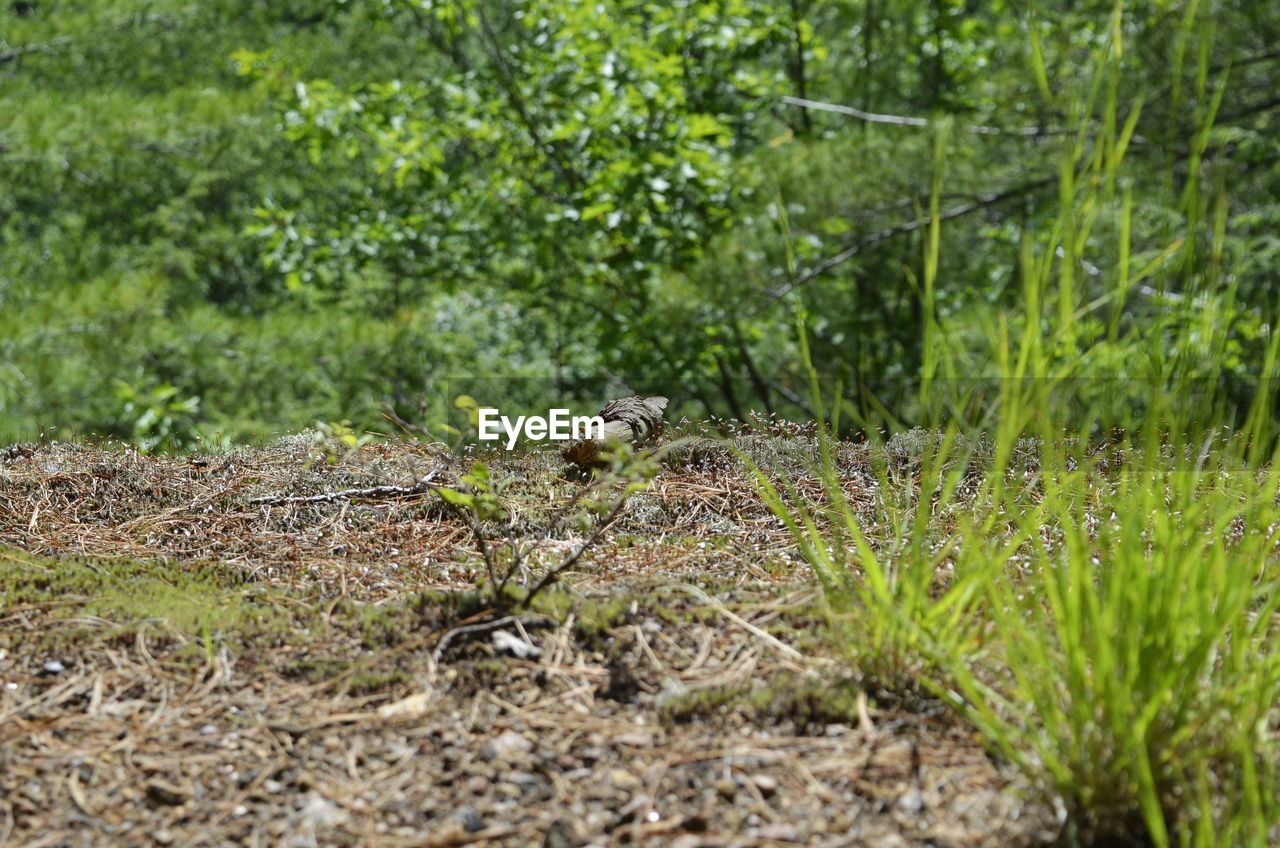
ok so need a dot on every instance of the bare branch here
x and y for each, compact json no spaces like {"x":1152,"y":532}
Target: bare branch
{"x":907,"y":121}
{"x":421,"y":487}
{"x":901,"y":229}
{"x":570,"y":561}
{"x":481,"y":627}
{"x":46,"y":47}
{"x":52,"y":46}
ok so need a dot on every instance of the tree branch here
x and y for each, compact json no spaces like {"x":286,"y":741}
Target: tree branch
{"x":570,"y":561}
{"x":907,"y":121}
{"x":901,"y":229}
{"x":120,"y":25}
{"x":47,"y":47}
{"x":419,"y":488}
{"x":512,"y":86}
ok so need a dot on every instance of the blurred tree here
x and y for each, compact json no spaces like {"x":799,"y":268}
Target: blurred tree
{"x":588,"y":198}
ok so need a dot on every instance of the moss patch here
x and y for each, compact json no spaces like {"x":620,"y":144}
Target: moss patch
{"x":195,"y":600}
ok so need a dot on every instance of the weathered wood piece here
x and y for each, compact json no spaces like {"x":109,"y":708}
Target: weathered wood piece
{"x":634,"y":420}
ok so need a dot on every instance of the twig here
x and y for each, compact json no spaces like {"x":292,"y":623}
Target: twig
{"x":901,"y":229}
{"x":571,"y":560}
{"x":907,"y":121}
{"x":389,"y":413}
{"x":481,"y":627}
{"x":1251,"y":109}
{"x":457,"y":836}
{"x":486,"y":550}
{"x":421,"y":487}
{"x":8,"y":822}
{"x":62,"y":41}
{"x":773,"y":641}
{"x":17,"y":52}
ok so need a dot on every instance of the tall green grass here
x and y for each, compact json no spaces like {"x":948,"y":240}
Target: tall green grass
{"x":1084,"y":564}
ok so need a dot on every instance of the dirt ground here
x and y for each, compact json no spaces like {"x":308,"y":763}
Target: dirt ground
{"x":192,"y":654}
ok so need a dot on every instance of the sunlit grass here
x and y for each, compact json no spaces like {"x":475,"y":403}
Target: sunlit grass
{"x":1103,"y":608}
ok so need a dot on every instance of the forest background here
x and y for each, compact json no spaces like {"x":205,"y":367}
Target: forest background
{"x":225,"y":220}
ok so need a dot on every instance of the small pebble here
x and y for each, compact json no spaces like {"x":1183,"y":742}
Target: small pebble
{"x":509,"y":643}
{"x":476,"y":784}
{"x":507,"y":745}
{"x":911,"y":801}
{"x":623,"y":780}
{"x":53,"y":667}
{"x":467,"y":816}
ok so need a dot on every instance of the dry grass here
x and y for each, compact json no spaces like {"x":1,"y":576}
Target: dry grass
{"x":180,"y":665}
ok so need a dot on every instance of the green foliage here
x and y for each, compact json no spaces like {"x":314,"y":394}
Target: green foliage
{"x":1107,"y":618}
{"x":1104,"y":614}
{"x":157,"y":416}
{"x":305,"y":211}
{"x":477,"y":494}
{"x":232,"y":217}
{"x":1162,"y":627}
{"x":207,"y":603}
{"x":336,"y":441}
{"x":892,"y":585}
{"x":492,"y":511}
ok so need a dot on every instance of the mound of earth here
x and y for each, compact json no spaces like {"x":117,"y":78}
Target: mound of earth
{"x":226,"y":649}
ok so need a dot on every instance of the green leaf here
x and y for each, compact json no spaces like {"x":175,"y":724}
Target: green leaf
{"x":457,"y":498}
